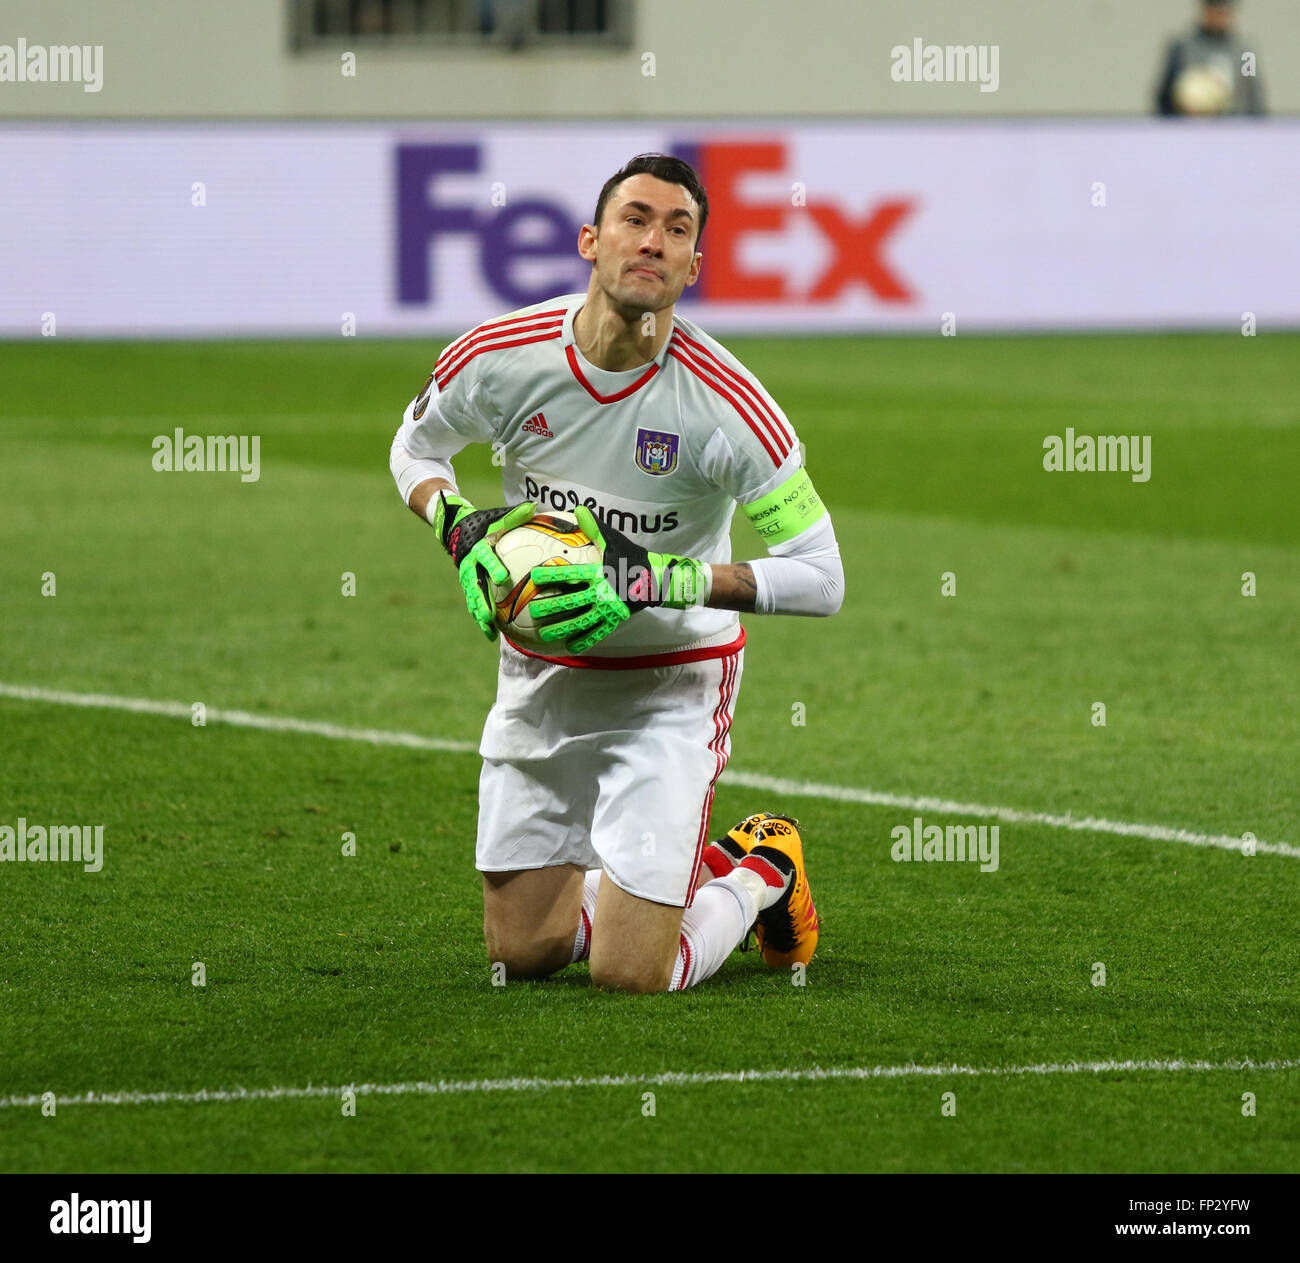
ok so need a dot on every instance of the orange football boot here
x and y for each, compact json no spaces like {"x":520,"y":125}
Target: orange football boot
{"x":787,"y":931}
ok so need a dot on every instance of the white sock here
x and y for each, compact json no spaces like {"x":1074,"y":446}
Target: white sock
{"x":720,"y":917}
{"x":586,"y":914}
{"x":764,"y":895}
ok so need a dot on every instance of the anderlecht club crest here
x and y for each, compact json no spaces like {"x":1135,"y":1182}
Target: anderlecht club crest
{"x":656,"y":451}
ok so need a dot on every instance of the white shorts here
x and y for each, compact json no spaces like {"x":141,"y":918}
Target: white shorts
{"x":603,"y":768}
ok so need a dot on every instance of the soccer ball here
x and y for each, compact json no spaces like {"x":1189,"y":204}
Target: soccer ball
{"x":1202,"y":90}
{"x":550,"y":539}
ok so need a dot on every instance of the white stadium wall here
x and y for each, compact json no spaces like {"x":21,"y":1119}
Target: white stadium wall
{"x":220,"y":59}
{"x":262,"y":229}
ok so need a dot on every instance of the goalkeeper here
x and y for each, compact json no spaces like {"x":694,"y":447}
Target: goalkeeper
{"x":600,"y":758}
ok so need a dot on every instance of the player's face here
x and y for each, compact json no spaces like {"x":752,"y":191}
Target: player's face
{"x":644,"y":247}
{"x":1217,"y":18}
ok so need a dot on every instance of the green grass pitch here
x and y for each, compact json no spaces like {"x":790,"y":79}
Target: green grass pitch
{"x":223,"y":843}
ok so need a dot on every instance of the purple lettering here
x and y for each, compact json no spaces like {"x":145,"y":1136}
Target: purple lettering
{"x":530,"y":230}
{"x":419,"y":219}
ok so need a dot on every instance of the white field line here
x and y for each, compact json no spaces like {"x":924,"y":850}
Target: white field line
{"x":813,"y":1074}
{"x":237,"y":718}
{"x":1009,"y":815}
{"x":744,"y":780}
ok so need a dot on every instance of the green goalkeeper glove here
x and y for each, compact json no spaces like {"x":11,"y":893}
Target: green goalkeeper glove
{"x":463,"y":529}
{"x":628,"y":578}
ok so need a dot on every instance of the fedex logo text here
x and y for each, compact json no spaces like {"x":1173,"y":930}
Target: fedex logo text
{"x":856,"y":240}
{"x":516,"y":241}
{"x":503,"y":232}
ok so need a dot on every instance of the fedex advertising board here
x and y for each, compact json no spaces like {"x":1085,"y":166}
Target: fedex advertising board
{"x":249,"y":229}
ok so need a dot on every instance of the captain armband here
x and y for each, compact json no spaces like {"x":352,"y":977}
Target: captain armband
{"x":788,"y":511}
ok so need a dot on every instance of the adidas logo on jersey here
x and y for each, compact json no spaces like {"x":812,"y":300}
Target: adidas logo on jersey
{"x":536,"y":424}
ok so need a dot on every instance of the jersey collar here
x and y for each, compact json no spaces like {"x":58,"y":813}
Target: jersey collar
{"x":602,"y":385}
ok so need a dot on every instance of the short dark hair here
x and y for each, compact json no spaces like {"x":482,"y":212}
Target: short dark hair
{"x":663,"y":167}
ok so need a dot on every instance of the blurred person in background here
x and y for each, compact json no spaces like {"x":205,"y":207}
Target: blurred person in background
{"x":1205,"y":73}
{"x":511,"y":21}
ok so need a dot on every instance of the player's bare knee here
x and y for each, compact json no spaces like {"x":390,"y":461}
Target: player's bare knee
{"x":528,"y":960}
{"x":630,"y":977}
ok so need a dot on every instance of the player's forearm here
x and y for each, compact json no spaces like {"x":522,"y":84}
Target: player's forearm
{"x":424,"y":492}
{"x":733,"y":587}
{"x":419,"y":478}
{"x":803,"y":575}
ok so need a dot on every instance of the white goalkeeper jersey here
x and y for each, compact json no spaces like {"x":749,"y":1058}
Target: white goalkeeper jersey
{"x":663,"y":452}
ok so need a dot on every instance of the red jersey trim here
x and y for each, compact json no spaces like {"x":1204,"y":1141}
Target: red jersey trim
{"x":780,"y":434}
{"x":508,"y":324}
{"x":722,"y":752}
{"x":594,"y":393}
{"x":643,"y":661}
{"x":718,"y":388}
{"x":497,"y":346}
{"x":450,"y":361}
